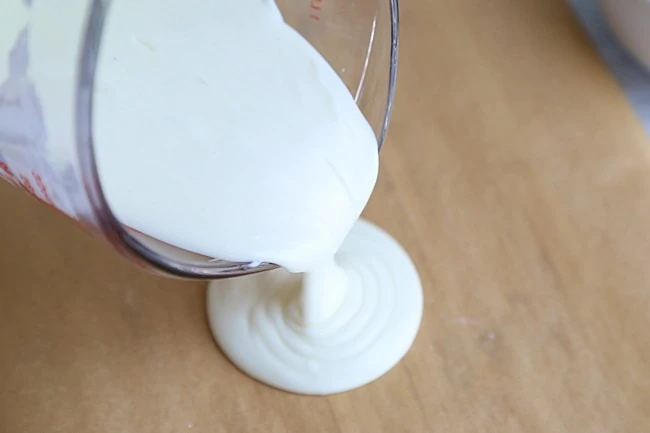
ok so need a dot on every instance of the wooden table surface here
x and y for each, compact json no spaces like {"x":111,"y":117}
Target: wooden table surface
{"x":515,"y":175}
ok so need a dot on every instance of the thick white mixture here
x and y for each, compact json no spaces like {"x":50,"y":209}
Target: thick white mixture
{"x":261,"y":324}
{"x":219,"y":115}
{"x":220,"y":130}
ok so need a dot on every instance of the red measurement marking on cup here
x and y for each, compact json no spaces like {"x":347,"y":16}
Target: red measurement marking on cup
{"x":28,"y":185}
{"x":7,"y":174}
{"x":23,"y":182}
{"x":315,"y":7}
{"x":43,"y":188}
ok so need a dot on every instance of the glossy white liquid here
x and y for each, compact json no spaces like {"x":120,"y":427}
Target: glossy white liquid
{"x":254,"y":150}
{"x":260,"y":323}
{"x":222,"y":131}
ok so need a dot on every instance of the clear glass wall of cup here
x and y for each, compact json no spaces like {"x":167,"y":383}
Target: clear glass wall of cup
{"x":48,"y":53}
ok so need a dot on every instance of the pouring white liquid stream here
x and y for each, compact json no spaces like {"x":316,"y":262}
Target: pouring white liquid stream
{"x":255,"y":151}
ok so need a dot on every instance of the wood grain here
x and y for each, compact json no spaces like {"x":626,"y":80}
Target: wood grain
{"x":516,"y":176}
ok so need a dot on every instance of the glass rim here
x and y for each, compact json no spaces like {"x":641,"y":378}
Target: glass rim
{"x":105,"y":221}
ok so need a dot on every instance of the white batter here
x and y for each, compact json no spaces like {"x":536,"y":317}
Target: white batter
{"x":254,"y":150}
{"x":220,"y":114}
{"x":260,"y":323}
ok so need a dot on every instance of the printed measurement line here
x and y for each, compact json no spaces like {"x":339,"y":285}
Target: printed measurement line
{"x":315,"y":7}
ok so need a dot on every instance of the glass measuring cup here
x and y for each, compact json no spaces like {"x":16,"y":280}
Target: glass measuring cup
{"x":48,"y":56}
